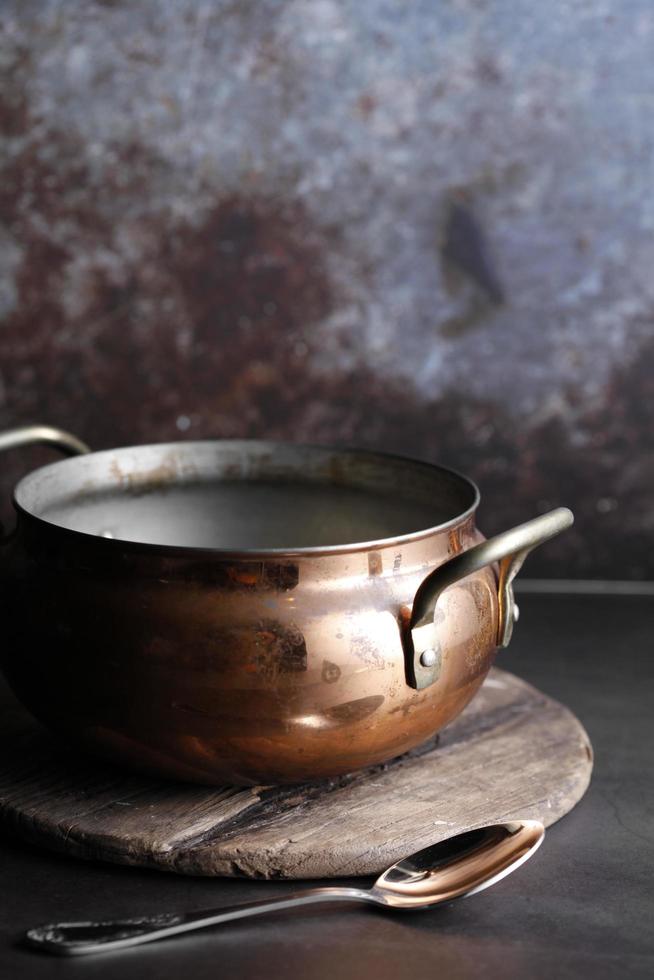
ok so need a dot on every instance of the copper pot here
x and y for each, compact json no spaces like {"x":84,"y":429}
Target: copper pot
{"x":251,"y":612}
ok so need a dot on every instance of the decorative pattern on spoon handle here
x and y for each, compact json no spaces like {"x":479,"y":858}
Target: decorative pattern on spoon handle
{"x":78,"y":938}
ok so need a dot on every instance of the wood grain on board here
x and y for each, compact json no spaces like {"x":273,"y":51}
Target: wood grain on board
{"x":513,"y":753}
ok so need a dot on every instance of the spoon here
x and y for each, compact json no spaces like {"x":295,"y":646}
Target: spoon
{"x":452,"y":868}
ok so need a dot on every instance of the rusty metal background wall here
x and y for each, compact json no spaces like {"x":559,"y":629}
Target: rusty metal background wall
{"x":425,"y":227}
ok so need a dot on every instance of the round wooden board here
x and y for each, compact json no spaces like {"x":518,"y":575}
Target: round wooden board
{"x":512,"y":753}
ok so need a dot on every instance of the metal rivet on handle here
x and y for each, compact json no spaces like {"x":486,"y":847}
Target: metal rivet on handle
{"x":428,"y":658}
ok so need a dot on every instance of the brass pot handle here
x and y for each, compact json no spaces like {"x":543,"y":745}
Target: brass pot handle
{"x":29,"y":435}
{"x":45,"y":435}
{"x":509,"y":550}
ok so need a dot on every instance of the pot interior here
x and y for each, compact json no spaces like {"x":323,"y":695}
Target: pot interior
{"x":245,"y":496}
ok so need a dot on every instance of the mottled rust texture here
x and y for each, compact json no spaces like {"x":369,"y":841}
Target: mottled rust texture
{"x":425,"y":229}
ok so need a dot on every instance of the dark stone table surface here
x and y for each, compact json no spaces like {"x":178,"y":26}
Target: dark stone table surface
{"x":582,"y":907}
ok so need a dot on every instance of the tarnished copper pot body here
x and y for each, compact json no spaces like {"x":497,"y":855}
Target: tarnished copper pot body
{"x":134,"y":626}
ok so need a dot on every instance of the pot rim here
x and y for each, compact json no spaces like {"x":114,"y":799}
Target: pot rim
{"x":249,"y":554}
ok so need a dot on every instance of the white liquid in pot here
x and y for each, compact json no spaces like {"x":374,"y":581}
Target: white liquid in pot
{"x":253,"y":515}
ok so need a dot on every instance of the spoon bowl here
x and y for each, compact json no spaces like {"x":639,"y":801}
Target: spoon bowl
{"x":458,"y":866}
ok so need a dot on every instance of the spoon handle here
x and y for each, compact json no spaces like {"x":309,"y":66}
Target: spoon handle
{"x":77,"y":938}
